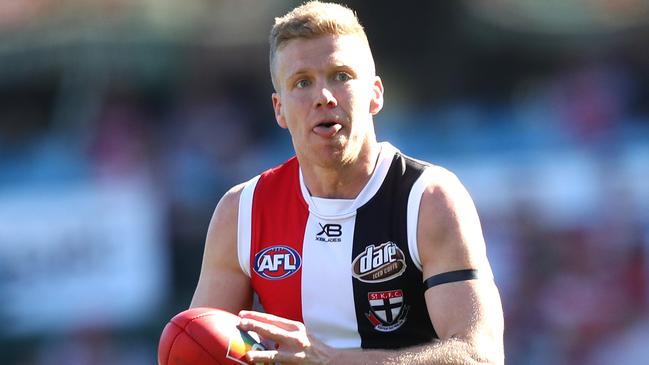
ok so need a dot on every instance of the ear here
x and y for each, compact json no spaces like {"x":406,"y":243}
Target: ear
{"x":279,"y":114}
{"x":376,"y":104}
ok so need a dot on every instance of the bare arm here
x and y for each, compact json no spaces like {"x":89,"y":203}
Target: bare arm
{"x":466,"y":315}
{"x":222,"y":283}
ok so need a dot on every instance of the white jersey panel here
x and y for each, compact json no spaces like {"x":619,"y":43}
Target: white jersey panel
{"x":327,"y":292}
{"x":414,"y":200}
{"x":244,"y":224}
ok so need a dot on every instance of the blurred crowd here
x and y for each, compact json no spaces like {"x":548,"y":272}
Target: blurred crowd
{"x":552,"y":142}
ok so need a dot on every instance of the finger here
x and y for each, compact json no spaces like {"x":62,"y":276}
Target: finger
{"x":271,"y":319}
{"x":275,"y":356}
{"x":282,"y":337}
{"x":272,"y":332}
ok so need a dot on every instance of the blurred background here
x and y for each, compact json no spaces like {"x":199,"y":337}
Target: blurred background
{"x":123,"y":122}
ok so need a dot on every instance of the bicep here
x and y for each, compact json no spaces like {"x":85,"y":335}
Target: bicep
{"x":449,"y":233}
{"x":450,"y":238}
{"x":222,"y":283}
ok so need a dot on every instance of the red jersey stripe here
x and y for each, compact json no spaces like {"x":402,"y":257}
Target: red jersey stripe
{"x":279,"y":216}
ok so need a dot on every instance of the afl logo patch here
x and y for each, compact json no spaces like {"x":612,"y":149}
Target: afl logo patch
{"x":277,"y":262}
{"x":379,"y":263}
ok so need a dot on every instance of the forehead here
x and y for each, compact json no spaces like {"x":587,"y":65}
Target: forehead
{"x":302,"y":54}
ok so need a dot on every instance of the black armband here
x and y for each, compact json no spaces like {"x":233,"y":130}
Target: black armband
{"x":450,"y":277}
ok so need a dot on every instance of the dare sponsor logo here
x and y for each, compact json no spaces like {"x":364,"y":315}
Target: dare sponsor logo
{"x":379,"y":263}
{"x":277,"y":262}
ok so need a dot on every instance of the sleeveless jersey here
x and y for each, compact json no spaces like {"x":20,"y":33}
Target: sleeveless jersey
{"x":348,"y":269}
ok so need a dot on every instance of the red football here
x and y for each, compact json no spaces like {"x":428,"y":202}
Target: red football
{"x":204,"y":336}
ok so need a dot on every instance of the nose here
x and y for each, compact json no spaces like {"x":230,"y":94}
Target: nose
{"x":325,"y":98}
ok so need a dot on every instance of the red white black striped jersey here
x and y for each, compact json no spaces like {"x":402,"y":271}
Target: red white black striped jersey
{"x":348,"y":269}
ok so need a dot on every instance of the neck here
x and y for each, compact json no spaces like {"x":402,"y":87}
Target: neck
{"x":344,"y":181}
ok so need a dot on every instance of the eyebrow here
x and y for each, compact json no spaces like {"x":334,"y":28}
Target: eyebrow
{"x":295,"y":75}
{"x":336,"y":67}
{"x":301,"y":71}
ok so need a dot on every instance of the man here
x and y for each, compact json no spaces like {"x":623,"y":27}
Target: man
{"x":350,"y":245}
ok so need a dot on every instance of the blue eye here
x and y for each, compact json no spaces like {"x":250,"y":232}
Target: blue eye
{"x":301,"y":84}
{"x":342,"y":76}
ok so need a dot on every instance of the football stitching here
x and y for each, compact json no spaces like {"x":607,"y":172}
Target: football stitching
{"x":174,"y":341}
{"x":192,"y":337}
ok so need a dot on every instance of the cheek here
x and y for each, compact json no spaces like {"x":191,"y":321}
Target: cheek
{"x":359,"y":98}
{"x":295,"y":111}
{"x":298,"y":103}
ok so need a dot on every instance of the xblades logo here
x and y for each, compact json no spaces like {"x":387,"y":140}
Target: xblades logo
{"x":331,"y":230}
{"x":329,"y":233}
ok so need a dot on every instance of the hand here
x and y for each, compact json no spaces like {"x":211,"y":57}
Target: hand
{"x":293,"y":344}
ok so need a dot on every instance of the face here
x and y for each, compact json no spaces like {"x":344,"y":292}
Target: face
{"x":327,"y":93}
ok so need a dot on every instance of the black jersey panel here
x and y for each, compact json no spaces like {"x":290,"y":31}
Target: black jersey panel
{"x":388,"y":289}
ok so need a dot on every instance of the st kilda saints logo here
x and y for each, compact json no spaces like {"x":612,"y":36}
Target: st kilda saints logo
{"x":329,"y":233}
{"x":379,"y":263}
{"x":387,"y":310}
{"x":277,"y":262}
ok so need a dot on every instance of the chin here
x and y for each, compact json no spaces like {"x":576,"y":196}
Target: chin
{"x":332,"y":153}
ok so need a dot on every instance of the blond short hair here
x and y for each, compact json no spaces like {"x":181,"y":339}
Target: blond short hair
{"x":311,"y":20}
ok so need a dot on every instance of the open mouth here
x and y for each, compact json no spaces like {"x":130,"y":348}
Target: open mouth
{"x":327,"y":129}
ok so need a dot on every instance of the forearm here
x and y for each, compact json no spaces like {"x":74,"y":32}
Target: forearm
{"x":447,"y":352}
{"x":295,"y":346}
